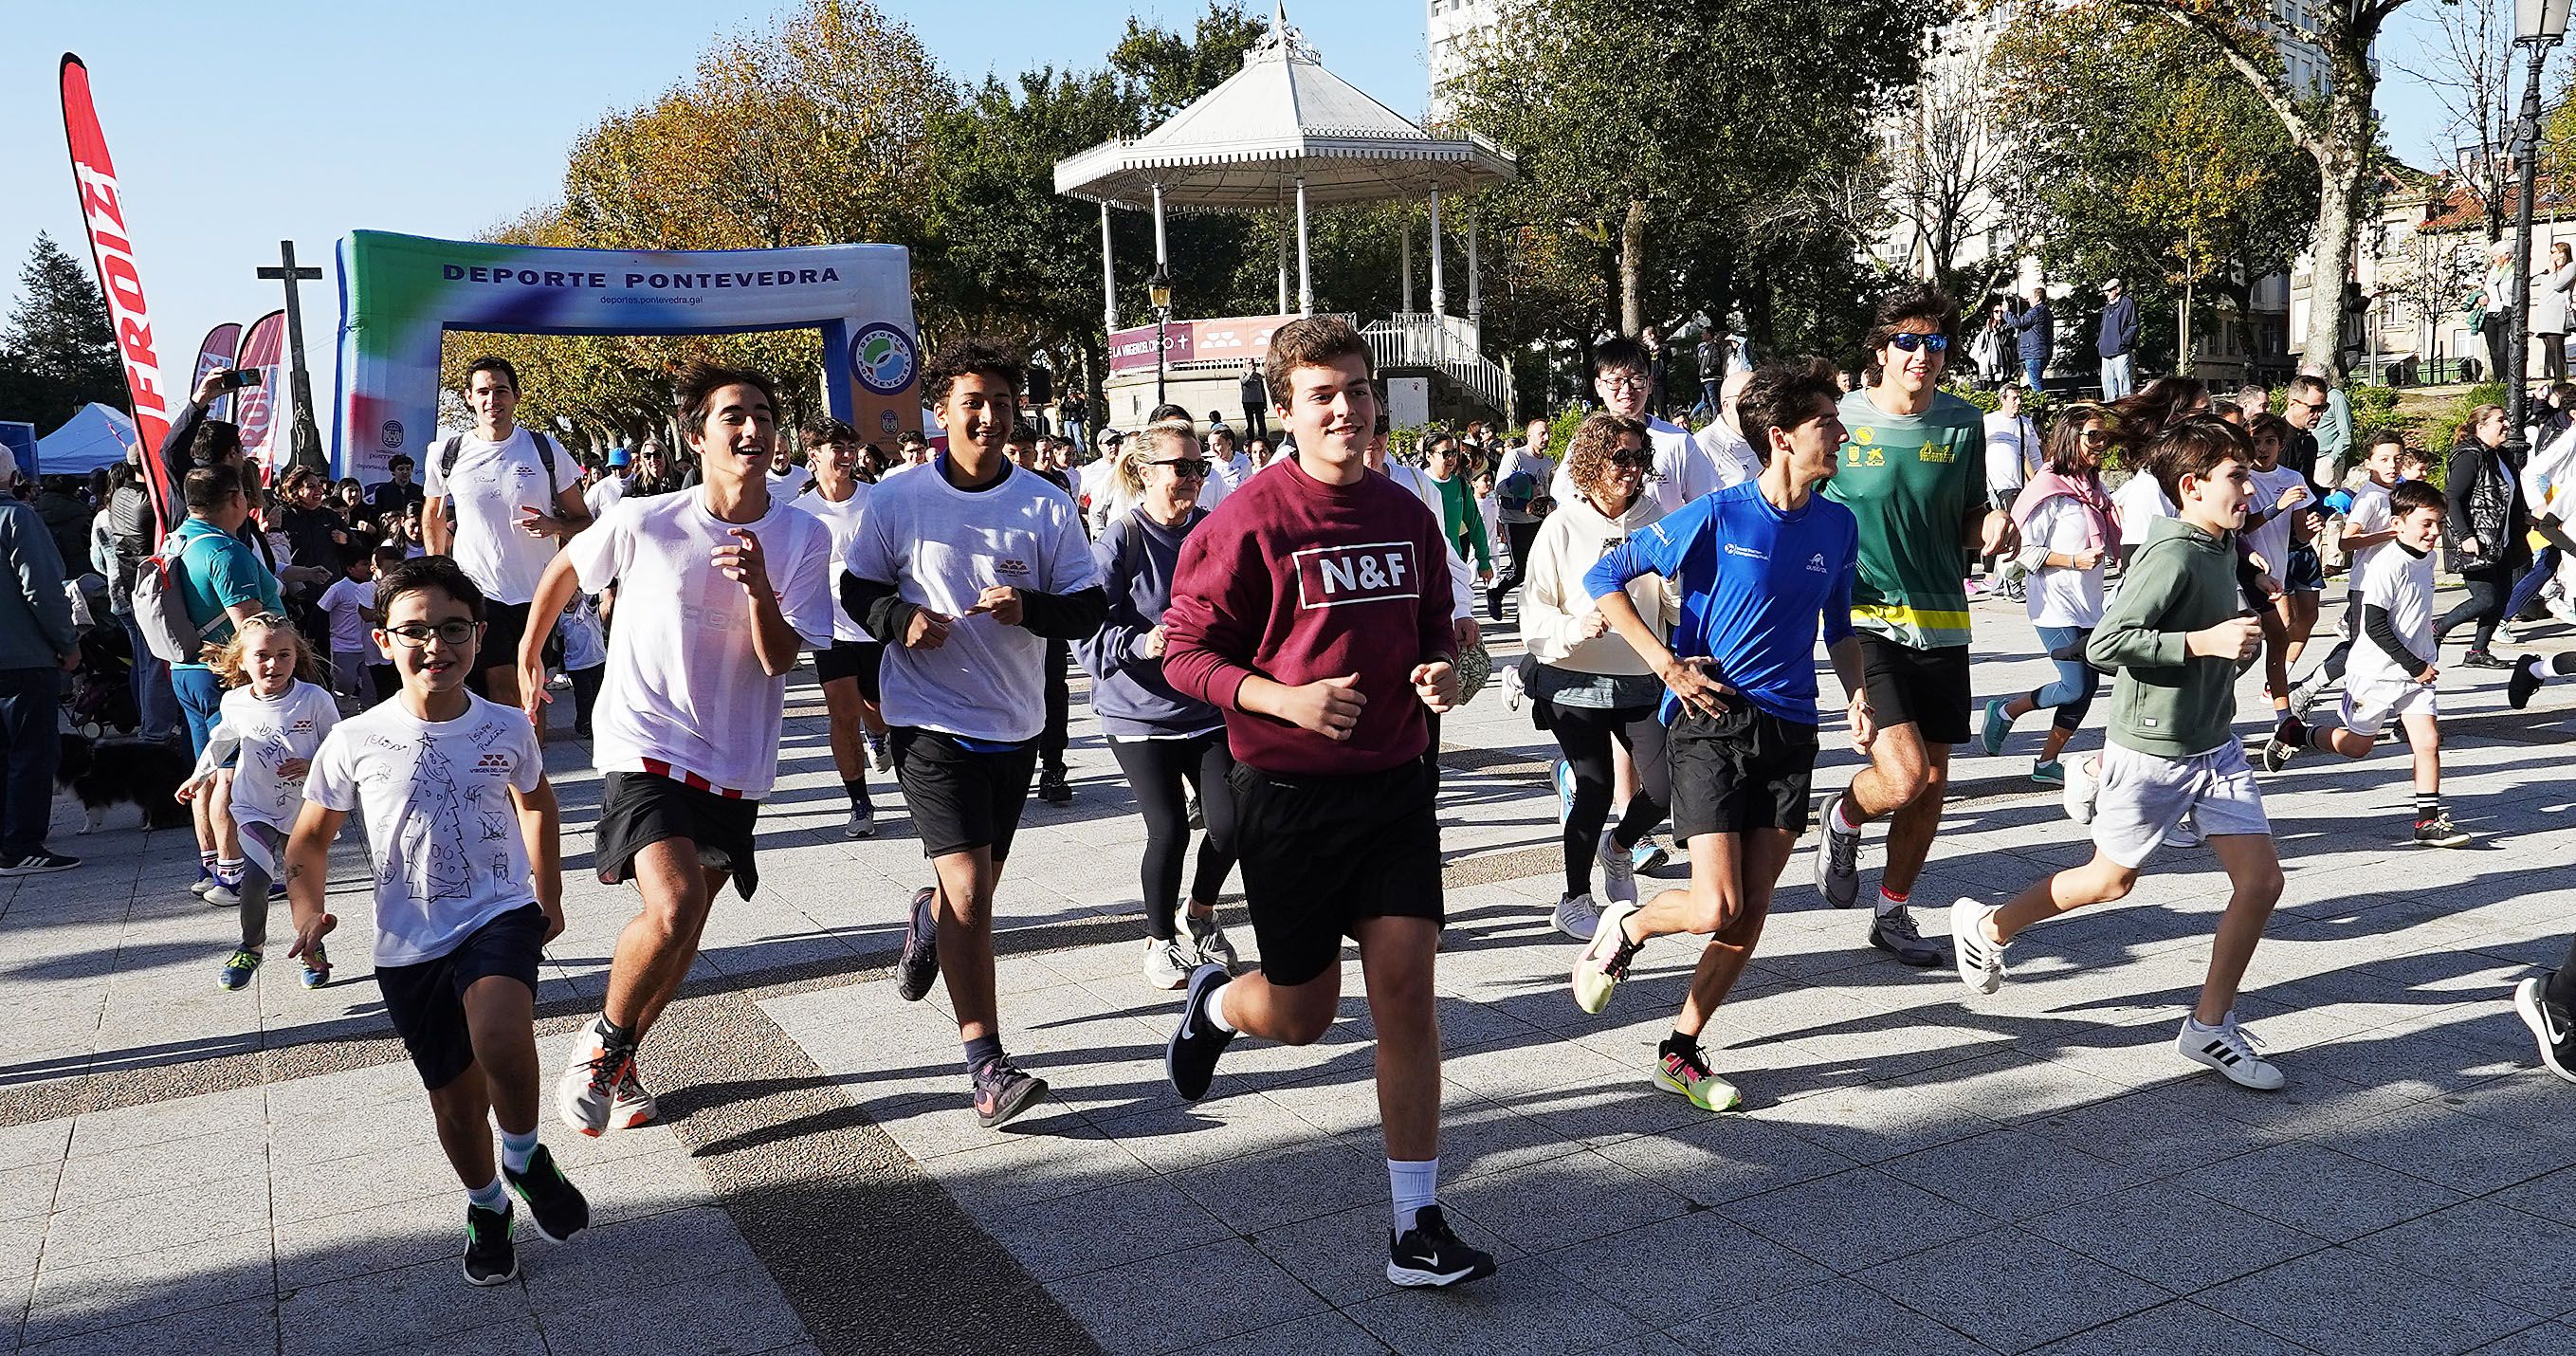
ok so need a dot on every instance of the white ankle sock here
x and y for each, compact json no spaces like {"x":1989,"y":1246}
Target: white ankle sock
{"x":490,"y":1196}
{"x":1413,"y":1186}
{"x":516,"y":1150}
{"x":1213,"y":1008}
{"x":1888,"y":903}
{"x":1843,"y":822}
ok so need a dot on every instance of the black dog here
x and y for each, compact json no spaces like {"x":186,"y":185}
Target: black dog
{"x":144,"y":773}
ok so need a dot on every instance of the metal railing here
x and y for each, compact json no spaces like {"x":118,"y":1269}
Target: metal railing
{"x":1448,"y":344}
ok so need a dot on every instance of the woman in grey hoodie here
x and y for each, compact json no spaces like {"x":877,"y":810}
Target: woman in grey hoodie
{"x":1165,"y":742}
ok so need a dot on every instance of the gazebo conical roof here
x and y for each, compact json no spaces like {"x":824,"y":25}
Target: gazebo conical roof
{"x":1282,"y":117}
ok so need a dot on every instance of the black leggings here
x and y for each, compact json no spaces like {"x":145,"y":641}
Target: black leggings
{"x":2489,"y":586}
{"x":1585,"y":734}
{"x":1059,"y":701}
{"x":1157,"y":769}
{"x":585,"y":691}
{"x":1523,"y":537}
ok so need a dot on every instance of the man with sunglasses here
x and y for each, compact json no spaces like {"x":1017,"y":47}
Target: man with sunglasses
{"x":1913,"y":474}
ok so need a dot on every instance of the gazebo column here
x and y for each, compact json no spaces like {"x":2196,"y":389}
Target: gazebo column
{"x":1162,"y":259}
{"x":1281,"y":223}
{"x":1305,"y":266}
{"x":1475,"y":298}
{"x":1108,"y":274}
{"x":1439,"y":290}
{"x":1406,"y":254}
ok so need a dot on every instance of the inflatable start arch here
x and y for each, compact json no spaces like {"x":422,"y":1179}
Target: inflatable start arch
{"x":400,"y":293}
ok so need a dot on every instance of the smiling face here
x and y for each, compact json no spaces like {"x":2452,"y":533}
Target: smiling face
{"x":268,"y":659}
{"x":2420,"y":529}
{"x":740,"y":430}
{"x":1623,"y":391}
{"x":2220,"y":497}
{"x":492,"y":397}
{"x":448,"y":633}
{"x":1331,"y":409}
{"x":979,"y":411}
{"x":1916,"y":371}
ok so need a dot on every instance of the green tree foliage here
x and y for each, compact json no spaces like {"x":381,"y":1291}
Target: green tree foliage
{"x":58,"y":352}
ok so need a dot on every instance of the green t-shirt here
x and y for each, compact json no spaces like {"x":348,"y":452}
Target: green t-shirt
{"x":1911,"y":480}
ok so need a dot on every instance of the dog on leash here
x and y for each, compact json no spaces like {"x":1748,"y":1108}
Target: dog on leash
{"x":143,"y":773}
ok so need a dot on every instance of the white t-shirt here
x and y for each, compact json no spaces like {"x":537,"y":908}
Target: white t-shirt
{"x":268,"y":732}
{"x":1101,"y":497}
{"x":684,"y":687}
{"x":2012,"y":452}
{"x":2402,"y":582}
{"x":2061,"y":596}
{"x":610,"y":488}
{"x":791,"y":482}
{"x":1729,"y":456}
{"x":2140,"y":501}
{"x":2370,"y":512}
{"x":941,"y":547}
{"x":1221,"y":481}
{"x":347,"y":601}
{"x":441,"y":829}
{"x":2272,"y":540}
{"x":842,"y":519}
{"x":494,"y":488}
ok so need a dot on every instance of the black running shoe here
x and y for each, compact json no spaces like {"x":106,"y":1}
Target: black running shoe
{"x":557,"y":1206}
{"x":918,"y":966}
{"x":2523,"y":683}
{"x":37,"y":863}
{"x":2550,"y":1025}
{"x":1190,"y":1059}
{"x":1004,"y":1090}
{"x":2481,"y":659}
{"x":490,"y":1257}
{"x":1430,"y":1254}
{"x":1054,"y":787}
{"x":1894,"y":932}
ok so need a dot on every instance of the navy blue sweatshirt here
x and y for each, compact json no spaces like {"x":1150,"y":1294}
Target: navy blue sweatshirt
{"x":1138,"y":557}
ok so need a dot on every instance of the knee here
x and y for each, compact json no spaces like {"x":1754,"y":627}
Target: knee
{"x":1307,"y":1019}
{"x":677,"y":911}
{"x":2262,"y":887}
{"x":1714,"y":911}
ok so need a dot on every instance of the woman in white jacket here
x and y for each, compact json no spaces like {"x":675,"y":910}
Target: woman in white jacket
{"x":1591,"y":689}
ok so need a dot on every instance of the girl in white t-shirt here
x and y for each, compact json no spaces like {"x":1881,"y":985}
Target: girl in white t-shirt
{"x":2069,"y":532}
{"x":273,"y":720}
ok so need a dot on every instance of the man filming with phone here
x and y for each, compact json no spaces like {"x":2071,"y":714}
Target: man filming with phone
{"x":195,"y":440}
{"x":501,"y":500}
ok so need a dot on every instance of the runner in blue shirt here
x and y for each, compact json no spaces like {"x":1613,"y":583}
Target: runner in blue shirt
{"x":1763,"y":567}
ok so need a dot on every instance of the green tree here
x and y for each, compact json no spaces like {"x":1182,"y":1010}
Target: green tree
{"x":59,"y":350}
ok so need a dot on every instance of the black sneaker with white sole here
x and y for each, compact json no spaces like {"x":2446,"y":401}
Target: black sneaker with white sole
{"x":1189,"y":1060}
{"x":37,"y":863}
{"x":490,"y":1257}
{"x":1431,"y":1254}
{"x":2519,"y":688}
{"x":557,"y":1206}
{"x":918,"y":967}
{"x":2550,"y":1024}
{"x":1894,"y":932}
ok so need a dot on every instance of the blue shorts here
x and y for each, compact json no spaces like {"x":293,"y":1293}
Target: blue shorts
{"x":2306,"y":572}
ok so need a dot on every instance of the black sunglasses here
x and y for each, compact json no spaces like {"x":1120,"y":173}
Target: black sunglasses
{"x":1632,"y":460}
{"x":1185,"y":466}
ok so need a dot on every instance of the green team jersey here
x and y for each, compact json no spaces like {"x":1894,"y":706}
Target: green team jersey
{"x":1911,"y":480}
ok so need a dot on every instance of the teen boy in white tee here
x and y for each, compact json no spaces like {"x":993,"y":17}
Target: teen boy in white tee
{"x":491,"y":511}
{"x":721,"y":588}
{"x":967,"y":569}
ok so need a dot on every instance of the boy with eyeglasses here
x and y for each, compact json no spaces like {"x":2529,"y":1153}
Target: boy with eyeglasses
{"x":465,"y":841}
{"x":1913,"y":474}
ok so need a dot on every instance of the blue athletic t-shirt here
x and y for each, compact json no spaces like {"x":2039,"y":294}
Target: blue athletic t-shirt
{"x":1756,"y":584}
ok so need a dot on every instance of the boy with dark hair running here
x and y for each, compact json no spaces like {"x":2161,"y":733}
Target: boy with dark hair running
{"x":1314,"y":609}
{"x":2177,"y":634}
{"x":846,"y":669}
{"x":720,"y":588}
{"x":969,"y":568}
{"x":1763,"y":568}
{"x":1913,"y":475}
{"x":466,"y":845}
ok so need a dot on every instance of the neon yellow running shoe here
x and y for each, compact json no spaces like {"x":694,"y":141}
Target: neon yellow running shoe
{"x":1686,"y":1073}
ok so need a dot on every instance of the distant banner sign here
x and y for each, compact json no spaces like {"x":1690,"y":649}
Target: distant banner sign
{"x":111,"y":251}
{"x":213,"y":352}
{"x":263,"y":434}
{"x":19,"y":441}
{"x":1233,"y":339}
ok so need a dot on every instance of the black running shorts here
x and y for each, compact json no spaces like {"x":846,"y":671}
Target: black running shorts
{"x":427,"y":1001}
{"x":1320,"y":854}
{"x":850,"y":659}
{"x":639,"y":809}
{"x":504,"y":624}
{"x":961,"y":799}
{"x":1927,"y":689}
{"x":1741,"y":769}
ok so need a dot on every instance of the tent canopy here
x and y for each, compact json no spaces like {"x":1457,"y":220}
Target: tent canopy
{"x":96,"y":436}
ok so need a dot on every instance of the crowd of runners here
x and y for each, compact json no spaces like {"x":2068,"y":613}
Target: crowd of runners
{"x":1272,"y":643}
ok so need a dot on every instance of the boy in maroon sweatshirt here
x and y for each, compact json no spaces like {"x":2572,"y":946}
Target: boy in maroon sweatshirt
{"x":1313,"y":608}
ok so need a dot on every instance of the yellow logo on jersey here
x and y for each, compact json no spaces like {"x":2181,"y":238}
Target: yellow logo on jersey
{"x":1864,"y":434}
{"x":1856,"y":455}
{"x":1934,"y":452}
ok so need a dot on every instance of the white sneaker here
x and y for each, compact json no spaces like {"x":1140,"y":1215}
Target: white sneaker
{"x":2083,"y":787}
{"x":1213,"y":947}
{"x":1167,"y":966}
{"x":2230,"y":1050}
{"x":1981,"y":962}
{"x":631,"y":1106}
{"x":223,"y":896}
{"x":863,"y":824}
{"x":1577,"y":917}
{"x":587,"y":1092}
{"x":1618,"y":872}
{"x":1605,"y":962}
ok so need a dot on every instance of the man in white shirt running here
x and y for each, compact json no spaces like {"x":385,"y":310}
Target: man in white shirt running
{"x":490,"y":508}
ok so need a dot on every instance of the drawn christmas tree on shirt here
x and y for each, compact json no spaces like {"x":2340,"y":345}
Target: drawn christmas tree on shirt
{"x":435,"y":837}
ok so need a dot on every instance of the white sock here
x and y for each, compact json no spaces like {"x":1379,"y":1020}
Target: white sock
{"x":1888,"y":903}
{"x":1213,"y":1008}
{"x":516,"y":1150}
{"x":2539,"y":666}
{"x":1842,"y":820}
{"x":490,"y":1196}
{"x":1413,"y":1185}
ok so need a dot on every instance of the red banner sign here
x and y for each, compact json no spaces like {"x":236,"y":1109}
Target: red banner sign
{"x":263,"y":350}
{"x":111,"y":250}
{"x":1232,"y":339}
{"x":214,"y":351}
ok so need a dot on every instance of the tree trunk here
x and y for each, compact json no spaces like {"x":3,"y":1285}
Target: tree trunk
{"x":1632,"y":269}
{"x":2338,"y":199}
{"x":2182,"y":349}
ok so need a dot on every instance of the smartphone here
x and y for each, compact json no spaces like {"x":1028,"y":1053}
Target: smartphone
{"x":241,"y":377}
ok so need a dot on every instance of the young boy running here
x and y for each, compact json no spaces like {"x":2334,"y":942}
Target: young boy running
{"x":2282,"y":507}
{"x":720,"y":588}
{"x":1314,"y":609}
{"x":1763,"y":566}
{"x":468,"y":859}
{"x":846,"y":668}
{"x":2392,"y":675}
{"x":2176,"y":634}
{"x":969,"y":567}
{"x":2367,"y":531}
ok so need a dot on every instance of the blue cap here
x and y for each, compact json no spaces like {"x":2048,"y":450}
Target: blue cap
{"x":618,"y":456}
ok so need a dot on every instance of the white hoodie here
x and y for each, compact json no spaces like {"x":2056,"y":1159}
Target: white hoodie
{"x":1554,"y":601}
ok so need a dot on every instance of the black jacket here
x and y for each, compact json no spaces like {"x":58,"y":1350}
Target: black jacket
{"x":2486,"y":503}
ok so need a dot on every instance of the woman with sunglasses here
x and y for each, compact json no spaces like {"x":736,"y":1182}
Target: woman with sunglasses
{"x":2068,"y":531}
{"x":1166,"y":743}
{"x":1591,"y":688}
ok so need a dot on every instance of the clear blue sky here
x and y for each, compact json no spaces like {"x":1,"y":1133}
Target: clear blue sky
{"x":236,"y":126}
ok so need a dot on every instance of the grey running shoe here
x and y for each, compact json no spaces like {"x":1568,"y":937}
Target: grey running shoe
{"x":1004,"y":1090}
{"x":1838,"y":859}
{"x":918,"y":966}
{"x":1894,"y":931}
{"x":1213,"y":946}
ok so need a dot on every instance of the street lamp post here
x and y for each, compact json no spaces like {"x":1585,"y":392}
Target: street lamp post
{"x":1158,"y":289}
{"x":2538,"y":25}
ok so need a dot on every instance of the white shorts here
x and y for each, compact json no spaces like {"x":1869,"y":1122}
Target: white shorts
{"x":2142,"y":796}
{"x":2368,"y":709}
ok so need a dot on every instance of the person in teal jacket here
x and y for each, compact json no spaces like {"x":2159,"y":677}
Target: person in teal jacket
{"x":1462,"y":524}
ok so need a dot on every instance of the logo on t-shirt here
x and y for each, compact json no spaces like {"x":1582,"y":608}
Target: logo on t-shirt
{"x":1934,"y":452}
{"x":1011,"y":565}
{"x":492,"y":762}
{"x":1816,"y":564}
{"x":1378,"y":571}
{"x":1747,"y":552}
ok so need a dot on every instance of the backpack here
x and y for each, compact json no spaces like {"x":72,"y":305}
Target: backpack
{"x":160,"y":610}
{"x":455,"y":444}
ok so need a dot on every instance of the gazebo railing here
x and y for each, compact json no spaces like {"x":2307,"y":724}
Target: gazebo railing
{"x":1448,"y":344}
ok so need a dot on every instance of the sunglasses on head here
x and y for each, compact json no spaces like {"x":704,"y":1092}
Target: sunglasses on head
{"x":1185,"y":466}
{"x":1908,"y":341}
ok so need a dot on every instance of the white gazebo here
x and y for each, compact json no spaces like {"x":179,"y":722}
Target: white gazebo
{"x":1284,"y":135}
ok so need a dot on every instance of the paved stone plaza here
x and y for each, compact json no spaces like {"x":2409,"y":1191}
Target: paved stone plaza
{"x":1916,"y":1169}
